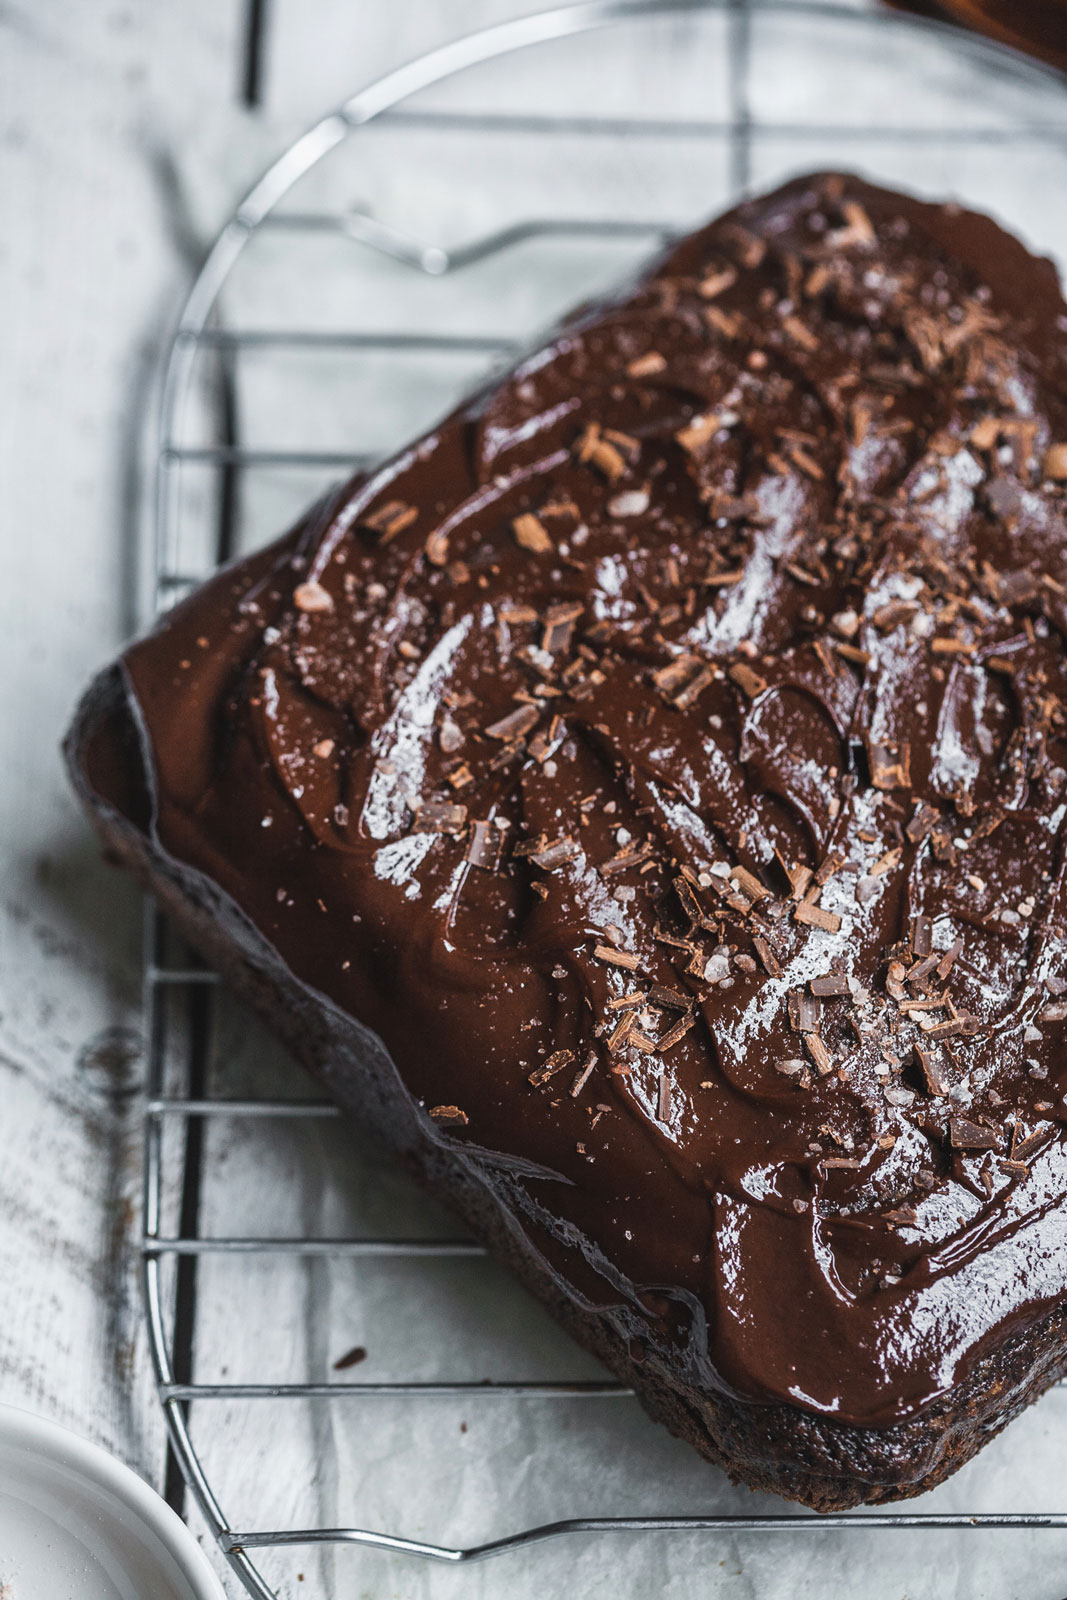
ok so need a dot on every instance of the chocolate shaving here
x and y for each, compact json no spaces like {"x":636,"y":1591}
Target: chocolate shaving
{"x":505,"y":757}
{"x":723,"y":580}
{"x":714,"y":283}
{"x":725,"y":322}
{"x":816,"y":916}
{"x":893,"y":615}
{"x":389,"y":520}
{"x":688,"y":696}
{"x":668,"y":999}
{"x":800,"y":333}
{"x":922,"y":822}
{"x":621,"y":1032}
{"x":804,"y":1011}
{"x":860,"y":229}
{"x":646,"y":366}
{"x":949,"y":959}
{"x":885,"y":863}
{"x":967,"y":1135}
{"x":440,"y":816}
{"x":922,"y":930}
{"x":690,"y":905}
{"x":516,"y":723}
{"x":952,"y":647}
{"x":890,"y":764}
{"x":449,"y":1115}
{"x":832,"y":864}
{"x":485,"y":847}
{"x":698,"y":432}
{"x":559,"y":627}
{"x":436,"y":548}
{"x":545,"y":741}
{"x":749,"y":682}
{"x":668,"y":1040}
{"x":811,"y":469}
{"x":626,"y":1002}
{"x":937,"y":1003}
{"x":631,"y":856}
{"x":799,"y":880}
{"x":750,"y":248}
{"x":931,"y":1072}
{"x":964,"y":1026}
{"x":530,"y":846}
{"x":617,"y":958}
{"x":531,"y":534}
{"x":597,"y":448}
{"x":630,"y":447}
{"x":833,"y":983}
{"x":918,"y":973}
{"x":552,"y":1064}
{"x":583,"y":1075}
{"x":819,"y":1054}
{"x":749,"y":885}
{"x":556,"y":854}
{"x":771,"y":964}
{"x":672,"y":678}
{"x":1025,"y":1145}
{"x":852,"y":652}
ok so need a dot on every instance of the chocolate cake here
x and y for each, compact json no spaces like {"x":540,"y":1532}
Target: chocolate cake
{"x":642,"y":802}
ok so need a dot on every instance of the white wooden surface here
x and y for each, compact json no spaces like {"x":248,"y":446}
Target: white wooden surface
{"x":123,"y":146}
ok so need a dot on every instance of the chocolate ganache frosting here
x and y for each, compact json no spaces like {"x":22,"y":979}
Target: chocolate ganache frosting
{"x":667,"y":757}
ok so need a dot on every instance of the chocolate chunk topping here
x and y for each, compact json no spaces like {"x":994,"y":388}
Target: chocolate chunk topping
{"x":449,"y":1116}
{"x":968,"y":1135}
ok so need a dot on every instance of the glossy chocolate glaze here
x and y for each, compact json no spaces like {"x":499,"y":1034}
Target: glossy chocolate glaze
{"x":714,"y":657}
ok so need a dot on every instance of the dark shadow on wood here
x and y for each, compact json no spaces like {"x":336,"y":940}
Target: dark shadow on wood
{"x":254,"y":50}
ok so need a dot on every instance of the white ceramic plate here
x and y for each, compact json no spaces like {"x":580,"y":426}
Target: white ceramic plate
{"x":77,"y":1525}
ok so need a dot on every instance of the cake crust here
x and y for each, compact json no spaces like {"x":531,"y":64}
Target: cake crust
{"x":675,"y":737}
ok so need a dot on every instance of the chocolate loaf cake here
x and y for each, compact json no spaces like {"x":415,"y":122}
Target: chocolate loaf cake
{"x":642,"y":802}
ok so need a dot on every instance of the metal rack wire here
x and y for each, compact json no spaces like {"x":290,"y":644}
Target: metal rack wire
{"x":171,"y":1259}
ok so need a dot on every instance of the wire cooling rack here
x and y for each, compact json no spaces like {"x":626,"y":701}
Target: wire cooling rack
{"x":207,"y":508}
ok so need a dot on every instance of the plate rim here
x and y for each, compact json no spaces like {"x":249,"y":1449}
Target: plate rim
{"x":51,"y":1442}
